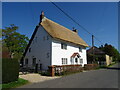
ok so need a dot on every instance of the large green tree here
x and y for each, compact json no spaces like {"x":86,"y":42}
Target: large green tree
{"x":111,"y":51}
{"x":14,"y":41}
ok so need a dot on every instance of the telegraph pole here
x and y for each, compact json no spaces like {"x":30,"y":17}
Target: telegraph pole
{"x":93,"y":48}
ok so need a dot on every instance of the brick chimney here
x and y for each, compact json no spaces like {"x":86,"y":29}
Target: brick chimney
{"x":75,"y":30}
{"x":42,"y":16}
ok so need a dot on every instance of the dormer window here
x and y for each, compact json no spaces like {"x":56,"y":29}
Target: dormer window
{"x":63,"y":46}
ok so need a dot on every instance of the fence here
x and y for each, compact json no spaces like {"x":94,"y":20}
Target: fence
{"x":64,"y":69}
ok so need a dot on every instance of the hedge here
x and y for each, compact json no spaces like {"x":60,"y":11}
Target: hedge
{"x":90,"y":66}
{"x":10,"y":70}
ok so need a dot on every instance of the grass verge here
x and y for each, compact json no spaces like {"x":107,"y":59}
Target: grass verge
{"x":15,"y":84}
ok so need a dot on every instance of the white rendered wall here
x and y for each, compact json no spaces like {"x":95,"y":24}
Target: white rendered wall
{"x":40,"y":48}
{"x":58,"y":53}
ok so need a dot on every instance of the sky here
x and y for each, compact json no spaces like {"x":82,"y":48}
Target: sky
{"x":99,"y":18}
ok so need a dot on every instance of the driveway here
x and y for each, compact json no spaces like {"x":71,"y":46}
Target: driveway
{"x":35,"y":78}
{"x":103,"y":78}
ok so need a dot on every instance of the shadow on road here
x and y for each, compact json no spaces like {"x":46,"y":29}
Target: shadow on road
{"x":114,"y":68}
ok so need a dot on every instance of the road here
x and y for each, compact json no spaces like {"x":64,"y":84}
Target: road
{"x":102,"y":78}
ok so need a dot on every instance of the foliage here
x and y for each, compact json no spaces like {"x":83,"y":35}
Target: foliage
{"x":14,"y":41}
{"x":111,"y":51}
{"x":15,"y":83}
{"x":10,"y":70}
{"x":90,"y":66}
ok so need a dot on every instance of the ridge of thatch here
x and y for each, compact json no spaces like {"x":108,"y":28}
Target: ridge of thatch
{"x":60,"y":32}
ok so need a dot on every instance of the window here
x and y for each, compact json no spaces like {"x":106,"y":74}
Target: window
{"x":44,"y":38}
{"x":26,"y":61}
{"x":63,"y":46}
{"x":29,"y":49}
{"x":47,"y":37}
{"x":80,"y":49}
{"x":48,"y":55}
{"x":81,"y":60}
{"x":36,"y":39}
{"x":34,"y":61}
{"x":64,"y":61}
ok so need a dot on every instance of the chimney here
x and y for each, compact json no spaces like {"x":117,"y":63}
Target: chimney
{"x":75,"y":30}
{"x":42,"y":16}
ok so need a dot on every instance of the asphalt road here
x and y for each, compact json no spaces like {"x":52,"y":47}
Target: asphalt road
{"x":103,"y":78}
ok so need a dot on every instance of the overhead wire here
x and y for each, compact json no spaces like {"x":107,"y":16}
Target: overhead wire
{"x":75,"y":21}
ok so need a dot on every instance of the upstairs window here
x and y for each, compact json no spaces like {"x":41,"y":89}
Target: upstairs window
{"x":63,"y":46}
{"x":80,"y":49}
{"x":29,"y":49}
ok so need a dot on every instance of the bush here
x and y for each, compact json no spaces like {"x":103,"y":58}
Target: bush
{"x":10,"y":70}
{"x":67,"y":69}
{"x":90,"y":66}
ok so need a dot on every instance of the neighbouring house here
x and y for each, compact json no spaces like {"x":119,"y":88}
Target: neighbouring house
{"x":99,"y":56}
{"x":54,"y":44}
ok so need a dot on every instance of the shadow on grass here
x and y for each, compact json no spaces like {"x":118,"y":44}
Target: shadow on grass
{"x":14,"y":84}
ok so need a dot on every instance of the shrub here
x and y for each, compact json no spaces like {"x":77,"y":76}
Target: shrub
{"x":10,"y":70}
{"x":67,"y":69}
{"x":90,"y":66}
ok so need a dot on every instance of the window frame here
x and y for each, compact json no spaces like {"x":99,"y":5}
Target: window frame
{"x":34,"y":61}
{"x":26,"y":61}
{"x":64,"y":46}
{"x":80,"y":49}
{"x":64,"y":61}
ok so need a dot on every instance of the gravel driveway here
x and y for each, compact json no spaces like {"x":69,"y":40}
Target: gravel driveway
{"x":34,"y":78}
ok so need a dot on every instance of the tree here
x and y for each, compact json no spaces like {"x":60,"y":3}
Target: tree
{"x":14,"y":41}
{"x":111,"y":51}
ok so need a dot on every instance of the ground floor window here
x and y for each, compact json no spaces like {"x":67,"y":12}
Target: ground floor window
{"x":64,"y":60}
{"x":26,"y":61}
{"x":34,"y":61}
{"x":81,"y":60}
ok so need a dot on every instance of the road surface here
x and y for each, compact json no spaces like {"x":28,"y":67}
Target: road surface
{"x":102,"y":78}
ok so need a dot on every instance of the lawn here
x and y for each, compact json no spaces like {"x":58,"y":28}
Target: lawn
{"x":15,"y":84}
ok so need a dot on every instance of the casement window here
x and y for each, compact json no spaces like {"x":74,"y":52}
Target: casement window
{"x":26,"y":61}
{"x":34,"y":61}
{"x":81,"y":61}
{"x":63,"y":46}
{"x":64,"y":61}
{"x":80,"y":49}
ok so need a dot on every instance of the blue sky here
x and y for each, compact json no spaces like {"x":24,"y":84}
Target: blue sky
{"x":99,"y":18}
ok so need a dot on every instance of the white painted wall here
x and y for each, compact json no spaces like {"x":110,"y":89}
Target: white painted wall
{"x":39,"y":49}
{"x":58,"y":53}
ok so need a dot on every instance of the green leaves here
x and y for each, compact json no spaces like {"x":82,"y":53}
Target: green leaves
{"x":111,"y":51}
{"x":14,"y":41}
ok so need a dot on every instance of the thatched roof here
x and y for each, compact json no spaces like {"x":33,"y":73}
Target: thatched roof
{"x":59,"y":32}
